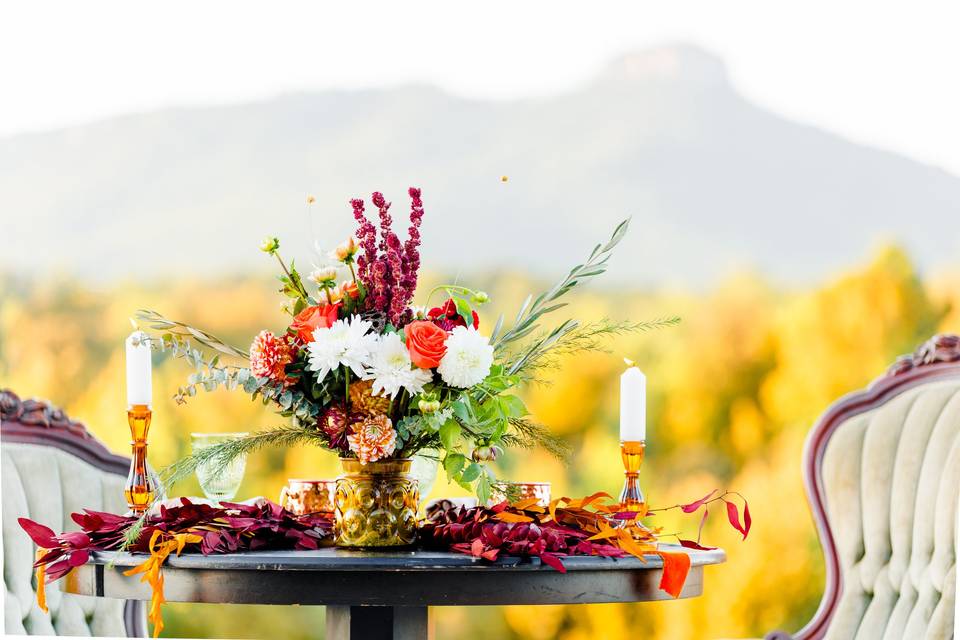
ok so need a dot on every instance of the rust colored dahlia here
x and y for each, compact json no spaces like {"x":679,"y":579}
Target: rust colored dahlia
{"x":269,"y":356}
{"x":373,"y":438}
{"x":336,"y":423}
{"x":361,"y":398}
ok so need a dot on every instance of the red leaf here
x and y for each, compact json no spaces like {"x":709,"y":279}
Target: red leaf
{"x":43,"y":537}
{"x":690,"y":544}
{"x":746,"y":519}
{"x":676,"y":566}
{"x":476,"y":547}
{"x":553,"y":561}
{"x":76,"y":539}
{"x":733,"y":515}
{"x":87,"y":522}
{"x":78,"y":558}
{"x":49,"y":557}
{"x":490,"y":554}
{"x":58,"y":569}
{"x":693,"y":506}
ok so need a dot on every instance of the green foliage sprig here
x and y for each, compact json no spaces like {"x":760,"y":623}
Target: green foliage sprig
{"x":546,"y":351}
{"x":208,"y":373}
{"x":526,"y":320}
{"x":159,"y":323}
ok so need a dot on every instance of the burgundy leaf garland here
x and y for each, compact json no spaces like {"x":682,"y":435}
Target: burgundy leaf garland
{"x":591,"y":526}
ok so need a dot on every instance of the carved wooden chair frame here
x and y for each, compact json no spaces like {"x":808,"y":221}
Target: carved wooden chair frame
{"x":937,"y":359}
{"x":37,"y":422}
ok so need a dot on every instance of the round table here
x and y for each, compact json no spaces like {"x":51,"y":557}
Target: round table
{"x":385,"y":594}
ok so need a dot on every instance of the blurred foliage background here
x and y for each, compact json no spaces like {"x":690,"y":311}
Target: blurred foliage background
{"x":733,"y":391}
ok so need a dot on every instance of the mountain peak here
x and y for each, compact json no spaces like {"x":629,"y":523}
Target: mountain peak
{"x":674,"y":64}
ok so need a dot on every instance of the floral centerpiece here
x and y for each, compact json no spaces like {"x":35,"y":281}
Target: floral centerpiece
{"x":361,"y":371}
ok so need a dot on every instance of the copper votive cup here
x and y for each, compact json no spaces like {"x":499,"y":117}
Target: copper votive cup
{"x":302,"y":496}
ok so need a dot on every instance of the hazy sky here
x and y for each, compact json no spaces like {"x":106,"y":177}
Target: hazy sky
{"x":881,"y":73}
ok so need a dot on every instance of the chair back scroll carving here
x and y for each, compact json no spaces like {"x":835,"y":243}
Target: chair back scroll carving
{"x":938,"y":360}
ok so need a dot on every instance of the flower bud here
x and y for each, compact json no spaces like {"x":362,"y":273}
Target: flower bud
{"x":480,"y":297}
{"x":324,"y":276}
{"x":428,"y":406}
{"x":482,"y":454}
{"x":270,"y":245}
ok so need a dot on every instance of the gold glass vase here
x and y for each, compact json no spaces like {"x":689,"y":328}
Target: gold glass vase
{"x":376,"y":504}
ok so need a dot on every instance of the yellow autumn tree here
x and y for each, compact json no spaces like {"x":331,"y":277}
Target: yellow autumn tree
{"x":732,"y":392}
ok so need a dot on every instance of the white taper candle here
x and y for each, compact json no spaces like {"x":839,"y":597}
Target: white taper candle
{"x":633,"y":406}
{"x":139,"y":384}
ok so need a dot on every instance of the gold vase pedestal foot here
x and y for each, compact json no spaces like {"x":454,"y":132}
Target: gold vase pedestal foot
{"x":376,"y":504}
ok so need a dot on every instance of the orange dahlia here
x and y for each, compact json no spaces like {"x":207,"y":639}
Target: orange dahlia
{"x":373,"y":438}
{"x":269,"y":357}
{"x":362,"y":399}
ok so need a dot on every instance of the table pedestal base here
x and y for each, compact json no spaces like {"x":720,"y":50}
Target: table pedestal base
{"x":377,"y":623}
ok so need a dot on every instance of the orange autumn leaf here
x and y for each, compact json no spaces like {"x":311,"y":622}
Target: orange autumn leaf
{"x":41,"y":586}
{"x":553,"y":508}
{"x":582,"y":503}
{"x":594,"y":497}
{"x":507,"y":516}
{"x":606,"y":532}
{"x":676,"y":566}
{"x":607,"y":508}
{"x":626,"y":542}
{"x":152,"y":575}
{"x":526,"y":503}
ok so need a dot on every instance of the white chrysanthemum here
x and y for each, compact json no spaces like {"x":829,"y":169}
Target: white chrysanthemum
{"x":346,"y":343}
{"x":468,"y":358}
{"x":390,"y":368}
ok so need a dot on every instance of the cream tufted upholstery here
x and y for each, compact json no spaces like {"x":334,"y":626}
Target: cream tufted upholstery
{"x":891,"y":478}
{"x":46,"y":484}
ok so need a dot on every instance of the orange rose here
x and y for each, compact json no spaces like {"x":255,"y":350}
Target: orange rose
{"x":349,"y":290}
{"x":319,"y":317}
{"x":426,"y":343}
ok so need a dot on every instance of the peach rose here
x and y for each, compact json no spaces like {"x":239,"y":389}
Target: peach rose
{"x":426,"y":343}
{"x":319,"y":317}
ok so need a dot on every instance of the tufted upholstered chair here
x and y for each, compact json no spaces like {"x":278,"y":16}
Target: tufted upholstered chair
{"x":882,"y":471}
{"x":51,"y":467}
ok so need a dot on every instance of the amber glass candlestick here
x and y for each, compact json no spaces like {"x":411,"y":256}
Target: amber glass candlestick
{"x":139,"y":489}
{"x":631,"y":498}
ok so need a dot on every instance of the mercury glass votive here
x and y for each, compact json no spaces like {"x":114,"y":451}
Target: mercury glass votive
{"x":309,"y":496}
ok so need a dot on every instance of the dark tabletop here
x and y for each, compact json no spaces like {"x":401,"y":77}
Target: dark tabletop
{"x":391,"y":578}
